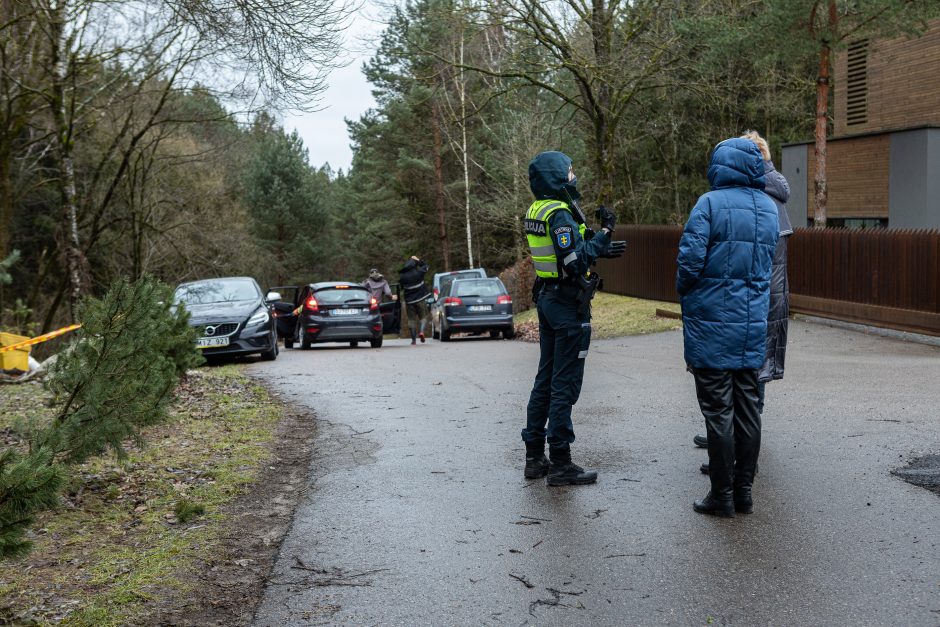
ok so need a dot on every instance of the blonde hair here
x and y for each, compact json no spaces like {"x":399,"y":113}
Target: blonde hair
{"x":755,"y":137}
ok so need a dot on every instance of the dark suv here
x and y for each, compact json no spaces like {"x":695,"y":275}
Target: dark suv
{"x":232,"y":316}
{"x":336,"y":312}
{"x":473,"y":306}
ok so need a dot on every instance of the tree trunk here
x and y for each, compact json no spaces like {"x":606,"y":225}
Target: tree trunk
{"x":464,"y":156}
{"x":439,"y":197}
{"x":6,"y":200}
{"x":62,"y":137}
{"x":820,"y":182}
{"x":822,"y":119}
{"x":602,"y":35}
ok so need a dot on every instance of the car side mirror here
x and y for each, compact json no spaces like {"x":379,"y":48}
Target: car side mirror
{"x":272,"y":296}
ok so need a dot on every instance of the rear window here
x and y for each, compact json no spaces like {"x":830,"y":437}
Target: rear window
{"x":339,"y":296}
{"x":221,"y":291}
{"x":478,"y":288}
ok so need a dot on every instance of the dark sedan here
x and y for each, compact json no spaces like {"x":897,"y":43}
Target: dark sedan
{"x":232,"y":315}
{"x":337,"y":312}
{"x":473,"y":306}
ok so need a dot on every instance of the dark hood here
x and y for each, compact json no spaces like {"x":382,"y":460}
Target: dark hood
{"x":736,"y":162}
{"x":409,"y":265}
{"x":232,"y":311}
{"x":548,"y":176}
{"x":776,"y":186}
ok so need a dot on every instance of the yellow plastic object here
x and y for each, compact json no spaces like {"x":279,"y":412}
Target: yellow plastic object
{"x":17,"y":359}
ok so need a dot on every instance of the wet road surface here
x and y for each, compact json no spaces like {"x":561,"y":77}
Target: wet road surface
{"x":418,"y":514}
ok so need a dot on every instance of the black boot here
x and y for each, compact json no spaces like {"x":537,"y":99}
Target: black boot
{"x":723,"y":508}
{"x":700,"y":441}
{"x":563,"y":472}
{"x":536,"y":464}
{"x":743,"y":503}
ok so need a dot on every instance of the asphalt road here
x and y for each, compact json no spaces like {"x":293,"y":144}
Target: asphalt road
{"x":418,"y":514}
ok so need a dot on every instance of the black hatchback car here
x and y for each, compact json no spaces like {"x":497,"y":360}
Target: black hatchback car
{"x":232,"y":316}
{"x":473,"y":306}
{"x":336,"y":312}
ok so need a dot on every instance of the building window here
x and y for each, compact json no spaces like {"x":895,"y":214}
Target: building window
{"x":856,"y":106}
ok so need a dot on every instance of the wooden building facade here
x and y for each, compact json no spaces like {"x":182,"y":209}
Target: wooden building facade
{"x":884,"y":155}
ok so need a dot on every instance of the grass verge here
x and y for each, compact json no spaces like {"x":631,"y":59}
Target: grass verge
{"x":128,"y":535}
{"x":612,"y":316}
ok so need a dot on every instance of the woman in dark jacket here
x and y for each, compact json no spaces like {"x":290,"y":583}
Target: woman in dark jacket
{"x":775,"y":186}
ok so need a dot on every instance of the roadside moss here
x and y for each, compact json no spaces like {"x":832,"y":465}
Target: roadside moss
{"x":127,"y":533}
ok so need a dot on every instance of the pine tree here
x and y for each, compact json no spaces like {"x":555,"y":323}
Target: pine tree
{"x":114,"y":379}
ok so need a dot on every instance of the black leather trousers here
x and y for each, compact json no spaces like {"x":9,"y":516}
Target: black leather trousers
{"x":728,"y":399}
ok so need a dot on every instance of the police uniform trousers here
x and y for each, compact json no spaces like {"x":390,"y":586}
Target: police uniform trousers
{"x":565,"y":335}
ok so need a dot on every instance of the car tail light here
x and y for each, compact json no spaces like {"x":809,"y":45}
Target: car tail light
{"x":312,"y":304}
{"x":504,"y":300}
{"x":373,"y":305}
{"x":437,"y":292}
{"x":452,"y":300}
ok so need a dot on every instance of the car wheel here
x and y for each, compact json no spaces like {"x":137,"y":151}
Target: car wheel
{"x":354,"y":344}
{"x":508,"y":334}
{"x":271,"y":355}
{"x":288,"y":342}
{"x":376,"y":343}
{"x":435,"y":334}
{"x":494,"y":335}
{"x":304,"y":340}
{"x":445,"y":335}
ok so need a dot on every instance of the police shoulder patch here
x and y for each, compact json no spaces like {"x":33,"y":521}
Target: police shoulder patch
{"x":563,"y":237}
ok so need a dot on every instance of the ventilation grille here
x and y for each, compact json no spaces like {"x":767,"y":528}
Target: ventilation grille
{"x":856,"y":106}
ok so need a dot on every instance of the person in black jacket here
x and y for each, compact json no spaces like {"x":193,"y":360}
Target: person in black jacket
{"x":411,"y":278}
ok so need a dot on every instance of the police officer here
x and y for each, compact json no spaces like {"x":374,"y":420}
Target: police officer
{"x":563,"y":250}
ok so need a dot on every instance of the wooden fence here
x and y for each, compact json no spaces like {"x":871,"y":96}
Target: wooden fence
{"x":888,"y":278}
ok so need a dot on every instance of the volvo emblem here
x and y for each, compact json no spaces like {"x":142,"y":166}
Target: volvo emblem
{"x":210,"y":330}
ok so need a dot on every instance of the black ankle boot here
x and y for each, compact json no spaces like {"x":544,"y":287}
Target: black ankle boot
{"x":715,"y":507}
{"x":563,"y":471}
{"x":536,"y":464}
{"x":743,"y":503}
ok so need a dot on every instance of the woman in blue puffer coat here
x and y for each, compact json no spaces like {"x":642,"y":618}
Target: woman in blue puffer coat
{"x":723,"y":279}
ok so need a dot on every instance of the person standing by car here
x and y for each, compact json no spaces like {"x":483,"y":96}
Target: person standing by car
{"x":378,"y":287}
{"x":723,"y":280}
{"x":775,"y":186}
{"x":555,"y":229}
{"x":411,"y":278}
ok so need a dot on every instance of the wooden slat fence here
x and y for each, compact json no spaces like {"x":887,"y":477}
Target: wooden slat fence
{"x":888,"y":278}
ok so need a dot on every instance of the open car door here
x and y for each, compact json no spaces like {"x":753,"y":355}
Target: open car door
{"x":391,"y":312}
{"x":284,"y":309}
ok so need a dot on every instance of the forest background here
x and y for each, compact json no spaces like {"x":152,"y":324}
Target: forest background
{"x":141,"y":136}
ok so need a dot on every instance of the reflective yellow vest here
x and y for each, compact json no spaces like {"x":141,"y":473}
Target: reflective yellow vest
{"x":537,"y":232}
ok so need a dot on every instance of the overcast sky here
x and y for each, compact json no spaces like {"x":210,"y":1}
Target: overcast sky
{"x":348,"y":96}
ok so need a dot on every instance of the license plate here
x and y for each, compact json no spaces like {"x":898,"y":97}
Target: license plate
{"x":346,"y":312}
{"x":211,"y":342}
{"x":480,"y":308}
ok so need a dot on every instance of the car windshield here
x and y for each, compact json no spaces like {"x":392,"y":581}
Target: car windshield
{"x":221,"y":291}
{"x":341,"y":295}
{"x":477,"y":288}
